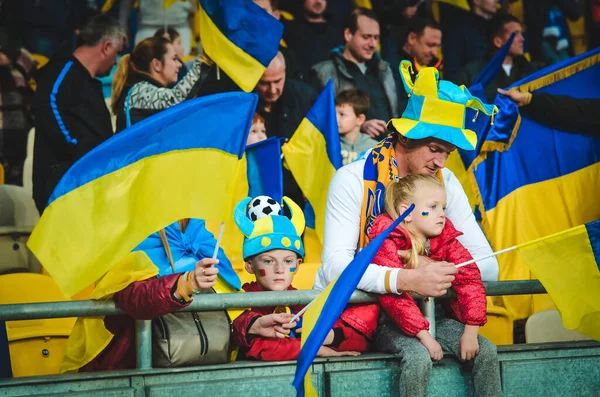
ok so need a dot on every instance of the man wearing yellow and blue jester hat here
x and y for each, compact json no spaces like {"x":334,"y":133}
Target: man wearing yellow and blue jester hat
{"x":431,"y":127}
{"x":273,"y":251}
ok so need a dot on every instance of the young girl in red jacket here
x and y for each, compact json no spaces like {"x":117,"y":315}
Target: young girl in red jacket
{"x":403,"y":330}
{"x":273,"y":251}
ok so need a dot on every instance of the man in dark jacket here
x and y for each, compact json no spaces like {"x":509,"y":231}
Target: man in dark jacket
{"x":312,"y":35}
{"x":283,"y":103}
{"x":465,"y":39}
{"x":357,"y":65}
{"x":71,"y":117}
{"x":515,"y":65}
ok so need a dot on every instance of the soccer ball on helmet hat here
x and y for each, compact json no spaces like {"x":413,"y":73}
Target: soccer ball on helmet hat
{"x":262,"y":206}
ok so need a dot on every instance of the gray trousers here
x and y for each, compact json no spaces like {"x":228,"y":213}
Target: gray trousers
{"x":415,"y":362}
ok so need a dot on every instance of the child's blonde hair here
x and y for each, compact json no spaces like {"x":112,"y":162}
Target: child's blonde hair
{"x":402,"y":191}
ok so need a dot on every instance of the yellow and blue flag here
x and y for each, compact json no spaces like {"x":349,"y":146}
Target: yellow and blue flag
{"x":460,"y":160}
{"x":568,"y":265}
{"x":240,"y":37}
{"x":260,"y":173}
{"x":179,"y":163}
{"x":532,"y":180}
{"x":265,"y":173}
{"x":313,"y":154}
{"x":329,"y":305}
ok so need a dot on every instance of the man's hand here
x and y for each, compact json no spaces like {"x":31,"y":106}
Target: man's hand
{"x":374,"y":128}
{"x":429,"y":279}
{"x":325,"y":351}
{"x":518,"y":97}
{"x":275,"y":325}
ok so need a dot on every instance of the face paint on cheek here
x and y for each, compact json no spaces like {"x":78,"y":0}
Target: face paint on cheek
{"x":292,"y":270}
{"x":425,"y":214}
{"x":261,"y":273}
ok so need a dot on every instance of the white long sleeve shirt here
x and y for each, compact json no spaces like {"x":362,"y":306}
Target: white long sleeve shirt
{"x":342,"y":229}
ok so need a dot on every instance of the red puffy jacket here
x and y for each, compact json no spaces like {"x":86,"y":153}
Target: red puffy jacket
{"x":470,"y":305}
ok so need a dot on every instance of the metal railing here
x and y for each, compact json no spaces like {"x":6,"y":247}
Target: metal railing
{"x":30,"y":311}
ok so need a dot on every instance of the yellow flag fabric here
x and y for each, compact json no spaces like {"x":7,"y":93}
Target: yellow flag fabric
{"x":566,"y":263}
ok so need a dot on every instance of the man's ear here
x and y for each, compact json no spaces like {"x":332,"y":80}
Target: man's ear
{"x":249,"y":268}
{"x":498,"y":42}
{"x":106,"y":46}
{"x":412,"y":38}
{"x":298,"y":263}
{"x":348,"y":35}
{"x":403,"y":208}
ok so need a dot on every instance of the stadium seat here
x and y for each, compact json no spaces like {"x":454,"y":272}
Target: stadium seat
{"x":18,"y":216}
{"x":547,"y":326}
{"x":36,"y":346}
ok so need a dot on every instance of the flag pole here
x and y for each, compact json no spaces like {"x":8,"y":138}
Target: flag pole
{"x":219,"y":240}
{"x":485,"y":257}
{"x":301,"y":312}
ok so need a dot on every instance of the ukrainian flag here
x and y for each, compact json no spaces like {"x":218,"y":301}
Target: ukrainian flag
{"x":179,"y":163}
{"x":260,"y":173}
{"x":313,"y":154}
{"x":460,"y":160}
{"x":532,"y":180}
{"x":240,"y":37}
{"x":329,"y":305}
{"x":568,"y":265}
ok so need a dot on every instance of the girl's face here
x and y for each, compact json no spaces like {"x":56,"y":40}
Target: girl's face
{"x":166,"y":71}
{"x":257,"y":133}
{"x":429,"y":216}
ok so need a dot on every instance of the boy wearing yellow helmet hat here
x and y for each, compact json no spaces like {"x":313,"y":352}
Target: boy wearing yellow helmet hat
{"x":273,"y":251}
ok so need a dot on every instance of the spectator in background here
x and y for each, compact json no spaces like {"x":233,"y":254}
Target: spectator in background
{"x":422,"y":45}
{"x":283,"y":103}
{"x":16,"y":66}
{"x":358,"y":65}
{"x":258,"y":131}
{"x":140,"y":84}
{"x":175,"y":38}
{"x":465,"y":42}
{"x":71,"y":117}
{"x":394,"y":17}
{"x":351,"y":108}
{"x":152,"y":16}
{"x":515,"y":65}
{"x":272,"y":7}
{"x":537,"y":17}
{"x":312,"y":35}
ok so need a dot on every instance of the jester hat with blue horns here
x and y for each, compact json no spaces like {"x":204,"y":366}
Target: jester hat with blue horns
{"x":437,"y":109}
{"x":270,"y":232}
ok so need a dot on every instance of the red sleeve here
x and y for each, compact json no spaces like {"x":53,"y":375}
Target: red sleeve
{"x":240,"y":328}
{"x":353,"y":340}
{"x":149,"y":299}
{"x":274,"y":349}
{"x":471,"y":305}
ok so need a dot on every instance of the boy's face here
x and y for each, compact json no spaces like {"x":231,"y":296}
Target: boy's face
{"x":347,"y":120}
{"x":275,"y":269}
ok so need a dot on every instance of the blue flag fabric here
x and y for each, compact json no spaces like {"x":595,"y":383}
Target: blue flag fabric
{"x":527,"y":170}
{"x":265,"y":172}
{"x":335,"y":298}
